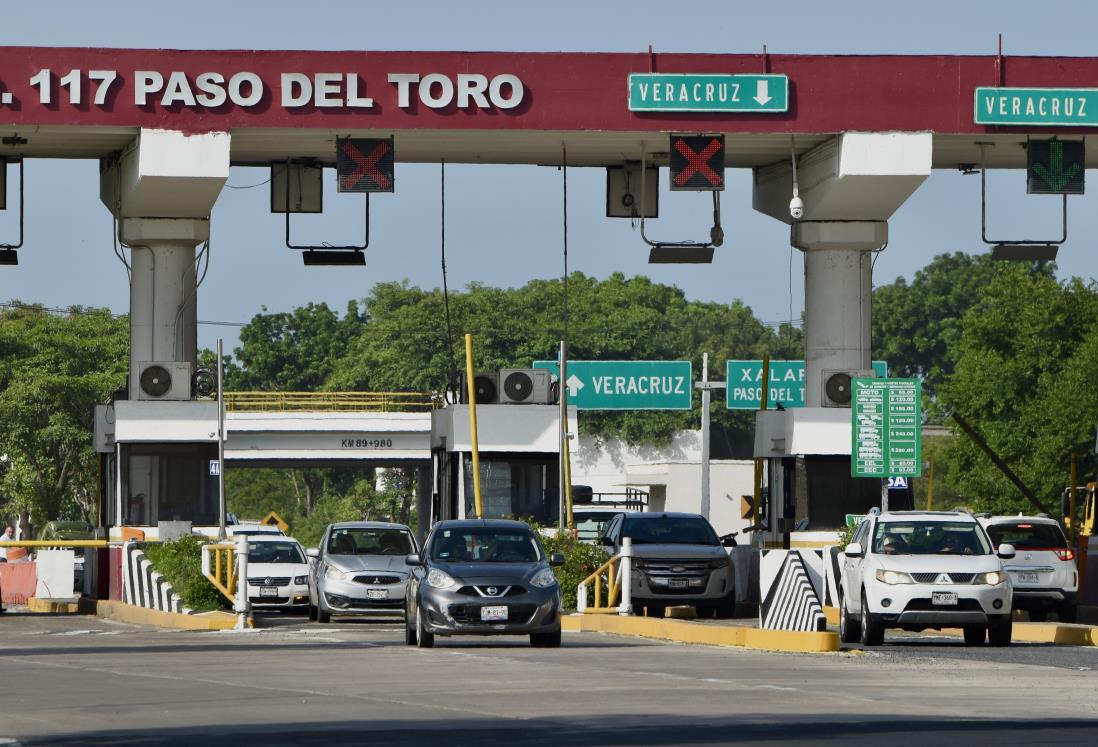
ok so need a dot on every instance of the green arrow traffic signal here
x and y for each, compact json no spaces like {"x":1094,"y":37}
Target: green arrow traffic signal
{"x":1056,"y":167}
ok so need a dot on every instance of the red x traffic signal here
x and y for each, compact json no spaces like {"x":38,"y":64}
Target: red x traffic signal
{"x":364,"y":165}
{"x":697,"y":162}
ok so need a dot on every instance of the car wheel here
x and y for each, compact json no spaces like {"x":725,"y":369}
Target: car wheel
{"x":546,"y":640}
{"x":424,"y":638}
{"x":322,"y":616}
{"x":872,"y":630}
{"x":1067,"y":613}
{"x":411,"y":638}
{"x":974,"y":635}
{"x":655,"y":610}
{"x":849,"y":629}
{"x":312,"y":612}
{"x":704,"y":611}
{"x":1038,"y":616}
{"x":1000,"y":634}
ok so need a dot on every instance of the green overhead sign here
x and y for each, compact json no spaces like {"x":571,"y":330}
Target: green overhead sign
{"x":744,"y":384}
{"x":887,"y":428}
{"x":667,"y":92}
{"x":1045,"y":107}
{"x":627,"y":385}
{"x":1055,"y":167}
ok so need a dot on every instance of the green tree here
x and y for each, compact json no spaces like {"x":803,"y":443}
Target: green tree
{"x":54,"y":369}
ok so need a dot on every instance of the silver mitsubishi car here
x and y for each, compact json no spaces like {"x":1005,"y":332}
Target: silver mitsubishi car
{"x":359,"y":568}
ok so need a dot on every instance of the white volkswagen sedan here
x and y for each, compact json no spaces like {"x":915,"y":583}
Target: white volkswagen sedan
{"x":924,"y":569}
{"x":278,"y":573}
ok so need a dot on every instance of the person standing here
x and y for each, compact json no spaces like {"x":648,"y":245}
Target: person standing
{"x":7,"y":536}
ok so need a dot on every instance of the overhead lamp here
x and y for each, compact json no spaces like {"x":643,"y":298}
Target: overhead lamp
{"x":9,"y":257}
{"x":1024,"y":252}
{"x":339,"y":257}
{"x":679,"y":254}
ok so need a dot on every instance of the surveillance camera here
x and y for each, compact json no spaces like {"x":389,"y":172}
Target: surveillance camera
{"x":796,"y":208}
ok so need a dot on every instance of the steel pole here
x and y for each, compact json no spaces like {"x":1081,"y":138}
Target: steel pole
{"x":243,"y":604}
{"x":626,"y":606}
{"x":473,"y":423}
{"x":563,"y":430}
{"x":220,"y":442}
{"x":705,"y":437}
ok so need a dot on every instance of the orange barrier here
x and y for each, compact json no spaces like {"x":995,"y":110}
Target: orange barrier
{"x":17,"y":581}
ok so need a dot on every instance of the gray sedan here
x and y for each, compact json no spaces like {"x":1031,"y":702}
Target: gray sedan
{"x":483,"y":577}
{"x":359,"y":568}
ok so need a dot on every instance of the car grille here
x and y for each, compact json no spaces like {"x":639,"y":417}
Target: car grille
{"x":930,"y":578}
{"x":677,"y":568}
{"x":377,"y":580}
{"x":269,"y":581}
{"x":337,"y":602}
{"x":926,"y":605}
{"x":469,"y":614}
{"x":501,"y":591}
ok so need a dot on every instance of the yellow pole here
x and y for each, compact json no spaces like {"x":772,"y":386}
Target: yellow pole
{"x":473,"y":422}
{"x":930,"y":487}
{"x":1069,"y":520}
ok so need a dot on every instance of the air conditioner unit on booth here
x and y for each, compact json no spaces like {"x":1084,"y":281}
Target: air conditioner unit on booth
{"x":486,"y":386}
{"x":837,"y":387}
{"x":526,"y":386}
{"x":163,"y":380}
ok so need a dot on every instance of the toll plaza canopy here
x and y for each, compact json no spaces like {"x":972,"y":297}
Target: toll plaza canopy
{"x":489,"y":107}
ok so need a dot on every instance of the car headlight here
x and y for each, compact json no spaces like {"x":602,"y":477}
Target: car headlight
{"x":335,"y":574}
{"x":301,"y":580}
{"x":440,"y":580}
{"x":992,"y":577}
{"x":543,"y":579}
{"x":893,"y":577}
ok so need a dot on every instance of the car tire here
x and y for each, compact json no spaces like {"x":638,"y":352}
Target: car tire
{"x":546,"y":640}
{"x":850,"y":630}
{"x":1000,"y":634}
{"x":872,"y":629}
{"x":411,"y":637}
{"x":322,"y":616}
{"x":424,"y":638}
{"x":312,"y":612}
{"x":704,"y":611}
{"x":1067,"y":613}
{"x":975,"y":635}
{"x":726,"y":610}
{"x":1038,"y":616}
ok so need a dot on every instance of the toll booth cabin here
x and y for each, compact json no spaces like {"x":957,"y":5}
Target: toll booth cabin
{"x":519,"y":463}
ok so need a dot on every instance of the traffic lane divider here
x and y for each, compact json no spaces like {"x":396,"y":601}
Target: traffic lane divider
{"x":128,"y":613}
{"x":682,"y":631}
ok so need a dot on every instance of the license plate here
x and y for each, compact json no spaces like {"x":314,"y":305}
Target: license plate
{"x":943,"y":597}
{"x":268,"y":591}
{"x":377,"y":594}
{"x":678,"y":583}
{"x":493,"y":614}
{"x":1028,"y":578}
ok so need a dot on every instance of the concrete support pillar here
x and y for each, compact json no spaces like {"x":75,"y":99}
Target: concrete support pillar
{"x":838,"y":296}
{"x":163,"y":299}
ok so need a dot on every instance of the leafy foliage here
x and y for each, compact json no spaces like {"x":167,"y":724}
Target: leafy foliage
{"x":580,"y":561}
{"x":180,"y":562}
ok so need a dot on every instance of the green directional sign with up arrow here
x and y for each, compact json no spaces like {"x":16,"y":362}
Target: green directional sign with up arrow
{"x":666,"y":92}
{"x":627,"y":385}
{"x":1055,"y":167}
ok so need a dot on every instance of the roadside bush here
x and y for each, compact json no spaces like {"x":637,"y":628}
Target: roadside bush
{"x":580,"y":561}
{"x":180,"y":563}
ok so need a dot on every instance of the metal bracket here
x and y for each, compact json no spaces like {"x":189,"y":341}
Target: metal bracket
{"x":1018,"y":249}
{"x":681,"y":252}
{"x":8,"y":255}
{"x":327,"y":247}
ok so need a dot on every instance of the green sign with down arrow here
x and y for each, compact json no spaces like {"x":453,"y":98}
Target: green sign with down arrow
{"x":1055,"y":167}
{"x":627,"y":385}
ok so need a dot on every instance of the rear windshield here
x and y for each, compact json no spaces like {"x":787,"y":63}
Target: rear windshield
{"x":275,"y":552}
{"x":366,"y":541}
{"x":1026,"y":536}
{"x":484,"y":545}
{"x":669,"y":530}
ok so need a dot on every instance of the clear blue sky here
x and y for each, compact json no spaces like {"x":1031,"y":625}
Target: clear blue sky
{"x":503,"y":223}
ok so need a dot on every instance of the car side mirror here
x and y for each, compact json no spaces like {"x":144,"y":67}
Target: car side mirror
{"x":313,"y":552}
{"x":606,"y":541}
{"x":1006,"y":552}
{"x":854,"y":550}
{"x":413,"y":559}
{"x":556,"y":559}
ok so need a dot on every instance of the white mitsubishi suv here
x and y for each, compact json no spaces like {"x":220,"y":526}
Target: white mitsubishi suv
{"x":924,"y":569}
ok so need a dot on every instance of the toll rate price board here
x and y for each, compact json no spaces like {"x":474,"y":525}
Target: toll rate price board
{"x":887,"y":428}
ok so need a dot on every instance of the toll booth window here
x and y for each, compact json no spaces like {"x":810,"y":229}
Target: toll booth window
{"x":168,"y":482}
{"x":514,"y":487}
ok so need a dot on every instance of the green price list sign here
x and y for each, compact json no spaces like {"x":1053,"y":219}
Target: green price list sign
{"x":887,"y":428}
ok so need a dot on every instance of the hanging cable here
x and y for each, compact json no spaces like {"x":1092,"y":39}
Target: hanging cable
{"x":564,"y":169}
{"x":453,"y":382}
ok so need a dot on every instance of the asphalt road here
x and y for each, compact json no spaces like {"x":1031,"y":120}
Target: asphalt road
{"x":77,"y":680}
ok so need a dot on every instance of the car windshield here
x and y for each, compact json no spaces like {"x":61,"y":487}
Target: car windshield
{"x":590,"y":525}
{"x":1026,"y":536}
{"x":929,"y":538}
{"x":670,"y":530}
{"x":370,"y":541}
{"x":485,"y":545}
{"x":275,"y":552}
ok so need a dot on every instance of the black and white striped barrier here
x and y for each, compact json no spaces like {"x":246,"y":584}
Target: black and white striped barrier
{"x":792,"y":584}
{"x":142,"y":586}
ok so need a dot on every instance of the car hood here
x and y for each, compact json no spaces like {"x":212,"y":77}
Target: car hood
{"x":938,"y":563}
{"x":490,"y":573}
{"x":277,"y":569}
{"x":679,"y":552}
{"x":368,"y":562}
